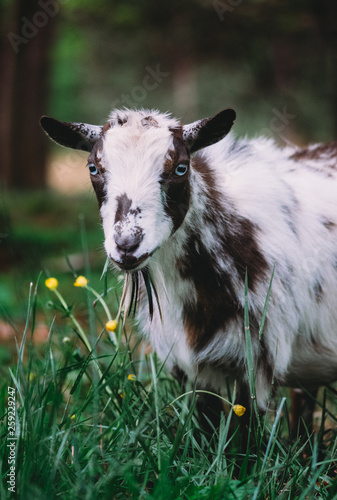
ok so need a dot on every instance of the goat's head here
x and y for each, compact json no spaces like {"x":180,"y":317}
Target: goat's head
{"x":139,"y":164}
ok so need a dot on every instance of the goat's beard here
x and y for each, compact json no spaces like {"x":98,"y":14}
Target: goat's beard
{"x":133,"y":279}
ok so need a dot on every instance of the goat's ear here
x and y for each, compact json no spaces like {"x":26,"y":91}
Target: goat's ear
{"x":71,"y":135}
{"x":202,"y":133}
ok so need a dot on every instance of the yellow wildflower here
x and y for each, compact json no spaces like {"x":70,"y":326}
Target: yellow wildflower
{"x":51,"y":283}
{"x":122,"y":395}
{"x":73,"y":417}
{"x":132,"y":377}
{"x":81,"y":281}
{"x":111,"y":325}
{"x":239,"y":410}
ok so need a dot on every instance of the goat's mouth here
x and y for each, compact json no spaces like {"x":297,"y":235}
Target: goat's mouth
{"x":128,"y":262}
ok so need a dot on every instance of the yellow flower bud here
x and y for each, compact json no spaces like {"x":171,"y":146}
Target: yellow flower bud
{"x":111,"y":325}
{"x":81,"y":281}
{"x":239,"y":410}
{"x":51,"y":283}
{"x":73,"y":417}
{"x":132,"y":377}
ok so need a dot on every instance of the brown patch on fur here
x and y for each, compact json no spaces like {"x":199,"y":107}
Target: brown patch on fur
{"x":123,"y":207}
{"x":243,"y":248}
{"x":237,"y":234}
{"x":217,"y":302}
{"x":99,"y":187}
{"x":98,"y":181}
{"x":169,"y":163}
{"x":105,"y":128}
{"x":176,"y":188}
{"x":329,"y":149}
{"x":177,"y":201}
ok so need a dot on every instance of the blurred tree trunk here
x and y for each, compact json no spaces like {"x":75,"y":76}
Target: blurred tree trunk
{"x":184,"y":81}
{"x":183,"y":63}
{"x":6,"y":95}
{"x":325,"y":13}
{"x":24,"y":55}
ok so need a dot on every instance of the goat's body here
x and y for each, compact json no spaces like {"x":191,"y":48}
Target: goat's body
{"x":198,"y":224}
{"x":283,"y":213}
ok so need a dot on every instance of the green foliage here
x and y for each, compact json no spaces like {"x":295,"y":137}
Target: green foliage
{"x":256,"y":57}
{"x":84,"y":433}
{"x":40,"y":231}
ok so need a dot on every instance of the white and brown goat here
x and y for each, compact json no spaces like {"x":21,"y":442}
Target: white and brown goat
{"x":191,"y":208}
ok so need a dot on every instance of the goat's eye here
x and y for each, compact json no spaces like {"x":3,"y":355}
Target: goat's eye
{"x":93,"y":169}
{"x":181,"y":169}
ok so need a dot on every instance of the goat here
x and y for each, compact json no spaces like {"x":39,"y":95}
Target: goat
{"x":191,"y":209}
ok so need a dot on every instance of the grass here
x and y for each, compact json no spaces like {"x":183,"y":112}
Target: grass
{"x":96,"y":421}
{"x":84,"y":433}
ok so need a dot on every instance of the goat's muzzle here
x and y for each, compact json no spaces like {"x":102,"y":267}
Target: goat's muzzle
{"x":127,"y":246}
{"x":128,"y":262}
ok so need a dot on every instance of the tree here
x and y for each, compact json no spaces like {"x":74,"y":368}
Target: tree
{"x":24,"y":58}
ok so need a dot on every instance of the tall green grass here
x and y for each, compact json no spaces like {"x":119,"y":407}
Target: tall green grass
{"x":126,"y":430}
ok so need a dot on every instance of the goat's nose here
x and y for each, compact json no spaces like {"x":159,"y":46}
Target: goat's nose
{"x":128,"y":244}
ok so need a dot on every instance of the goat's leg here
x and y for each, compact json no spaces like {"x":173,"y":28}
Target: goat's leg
{"x":302,"y":409}
{"x":209,"y":408}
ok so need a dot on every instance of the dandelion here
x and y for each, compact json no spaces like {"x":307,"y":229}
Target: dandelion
{"x":239,"y":410}
{"x":132,"y":377}
{"x":81,"y":281}
{"x":111,"y":325}
{"x":51,"y":283}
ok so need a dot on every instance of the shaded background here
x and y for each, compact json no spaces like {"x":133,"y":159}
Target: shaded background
{"x":274,"y":62}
